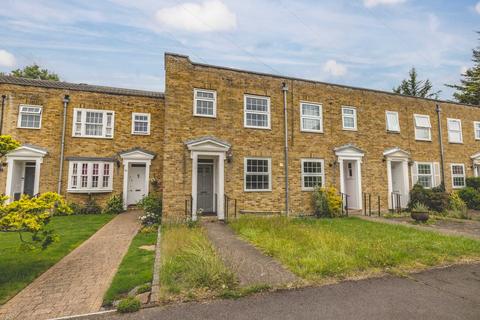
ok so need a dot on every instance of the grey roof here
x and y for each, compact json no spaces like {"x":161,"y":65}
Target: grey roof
{"x":137,"y":149}
{"x":206,"y":65}
{"x":79,"y":87}
{"x":90,"y":159}
{"x":205,"y":138}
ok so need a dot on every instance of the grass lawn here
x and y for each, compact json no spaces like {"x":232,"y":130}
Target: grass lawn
{"x":316,"y":249}
{"x":18,"y":268}
{"x":190,"y":267}
{"x":136,"y":268}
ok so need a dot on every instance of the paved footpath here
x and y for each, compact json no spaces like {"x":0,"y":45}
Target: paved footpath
{"x":442,"y":294}
{"x":251,"y":266}
{"x":77,"y":283}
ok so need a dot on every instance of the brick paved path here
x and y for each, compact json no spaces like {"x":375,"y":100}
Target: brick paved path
{"x":76,"y":284}
{"x":251,"y":266}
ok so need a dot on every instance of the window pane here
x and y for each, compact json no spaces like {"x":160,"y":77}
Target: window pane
{"x":257,"y":120}
{"x":425,"y":181}
{"x":205,"y":94}
{"x":205,"y":107}
{"x":257,"y":104}
{"x":392,"y":121}
{"x":422,"y":133}
{"x":424,"y":169}
{"x":312,"y":181}
{"x":422,"y":121}
{"x":311,"y":124}
{"x":348,"y":111}
{"x":454,"y":125}
{"x":310,"y":110}
{"x":455,"y":136}
{"x":312,"y":167}
{"x":348,"y":122}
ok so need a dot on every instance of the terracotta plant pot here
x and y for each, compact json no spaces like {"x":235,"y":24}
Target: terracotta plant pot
{"x":419,"y":216}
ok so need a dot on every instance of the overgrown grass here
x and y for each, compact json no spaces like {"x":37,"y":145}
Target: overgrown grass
{"x":316,"y":249}
{"x":136,"y":268}
{"x":190,"y":267}
{"x":18,"y":268}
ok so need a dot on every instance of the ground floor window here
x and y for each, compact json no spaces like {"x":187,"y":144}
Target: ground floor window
{"x":458,"y":175}
{"x":425,"y":174}
{"x":90,"y":176}
{"x":257,"y":174}
{"x":312,"y":173}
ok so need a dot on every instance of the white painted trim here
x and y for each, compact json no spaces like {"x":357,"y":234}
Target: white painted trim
{"x":322,"y":174}
{"x":126,"y":166}
{"x":320,"y":117}
{"x":19,"y":120}
{"x":349,"y":116}
{"x":386,"y":121}
{"x":269,"y":113}
{"x":195,"y":90}
{"x":83,"y":120}
{"x":10,"y":163}
{"x":245,"y":174}
{"x":148,"y":124}
{"x":475,"y":124}
{"x":429,"y":127}
{"x":89,"y":189}
{"x":432,"y":173}
{"x":464,"y":176}
{"x":449,"y":120}
{"x":405,"y":170}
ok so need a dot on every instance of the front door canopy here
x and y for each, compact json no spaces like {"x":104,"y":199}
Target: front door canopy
{"x":476,"y":158}
{"x":396,"y":153}
{"x":208,"y":144}
{"x":27,"y":151}
{"x":349,"y":151}
{"x":137,"y":154}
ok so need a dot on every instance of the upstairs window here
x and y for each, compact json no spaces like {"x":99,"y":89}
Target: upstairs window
{"x":257,"y":112}
{"x":205,"y":103}
{"x":141,"y":123}
{"x":476,"y":128}
{"x":422,"y":127}
{"x":349,"y":118}
{"x":93,"y":123}
{"x":312,"y":174}
{"x":454,"y":127}
{"x":30,"y":117}
{"x":458,"y":175}
{"x":257,"y":174}
{"x":393,"y":123}
{"x":311,"y":117}
{"x":90,"y":176}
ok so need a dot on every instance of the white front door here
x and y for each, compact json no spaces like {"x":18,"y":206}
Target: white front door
{"x":136,"y":183}
{"x":350,"y":175}
{"x":400,"y":190}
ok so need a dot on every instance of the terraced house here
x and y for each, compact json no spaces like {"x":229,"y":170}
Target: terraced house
{"x":219,"y":134}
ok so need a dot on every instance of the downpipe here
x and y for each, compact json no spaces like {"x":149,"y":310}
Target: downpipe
{"x":66,"y":100}
{"x":285,"y":111}
{"x":440,"y":141}
{"x":3,"y":111}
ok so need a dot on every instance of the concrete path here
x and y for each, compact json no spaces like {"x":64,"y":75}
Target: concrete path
{"x":251,"y":266}
{"x":77,"y":283}
{"x":469,"y":229}
{"x":443,"y":294}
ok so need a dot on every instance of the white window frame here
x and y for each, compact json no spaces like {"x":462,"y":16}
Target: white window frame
{"x":389,"y":129}
{"x":449,"y":130}
{"x":142,"y":133}
{"x":476,"y":129}
{"x":319,"y":117}
{"x":354,"y":116}
{"x":82,"y":123}
{"x":268,"y":113}
{"x":214,"y":100}
{"x":303,"y":174}
{"x":464,"y":176}
{"x":20,"y":113}
{"x":415,"y":116}
{"x":432,"y":173}
{"x":89,"y":189}
{"x":245,"y":173}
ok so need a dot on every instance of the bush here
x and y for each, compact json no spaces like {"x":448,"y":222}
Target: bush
{"x":473,"y":182}
{"x":420,"y":207}
{"x":90,"y":207}
{"x":152,"y":205}
{"x":435,"y":199}
{"x":327,"y":202}
{"x":471,"y":197}
{"x":114,"y":205}
{"x":128,"y":305}
{"x":456,"y":203}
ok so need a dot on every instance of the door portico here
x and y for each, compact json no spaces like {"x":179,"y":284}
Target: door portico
{"x":476,"y":164}
{"x":397,"y":177}
{"x":350,"y":158}
{"x":208,"y":150}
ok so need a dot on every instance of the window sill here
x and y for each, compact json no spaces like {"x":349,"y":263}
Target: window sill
{"x":140,"y":133}
{"x":394,"y":132}
{"x":28,"y":128}
{"x":311,"y":131}
{"x":257,"y":128}
{"x":205,"y":116}
{"x":423,"y":140}
{"x":245,"y":190}
{"x":450,"y":142}
{"x":347,"y":129}
{"x":89,"y":190}
{"x":90,"y":137}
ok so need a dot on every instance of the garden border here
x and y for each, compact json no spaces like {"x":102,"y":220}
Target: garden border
{"x":155,"y":293}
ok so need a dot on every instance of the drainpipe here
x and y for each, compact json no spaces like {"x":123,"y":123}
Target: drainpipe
{"x":66,"y":100}
{"x":285,"y":91}
{"x":1,"y":117}
{"x":440,"y":141}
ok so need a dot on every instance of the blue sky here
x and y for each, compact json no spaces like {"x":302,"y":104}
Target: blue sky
{"x":365,"y":43}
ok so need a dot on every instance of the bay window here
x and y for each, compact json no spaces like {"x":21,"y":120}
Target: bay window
{"x":90,"y":176}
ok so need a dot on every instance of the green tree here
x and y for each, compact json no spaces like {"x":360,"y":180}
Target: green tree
{"x":416,"y":88}
{"x":468,"y":91}
{"x":35,"y":72}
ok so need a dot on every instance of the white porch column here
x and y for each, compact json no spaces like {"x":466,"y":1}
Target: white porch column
{"x":342,"y":179}
{"x":221,"y":187}
{"x":125,"y":183}
{"x":359,"y":184}
{"x":36,"y":186}
{"x":194,"y":184}
{"x":8,"y":187}
{"x":406,"y":183}
{"x":389,"y":183}
{"x":147,"y":177}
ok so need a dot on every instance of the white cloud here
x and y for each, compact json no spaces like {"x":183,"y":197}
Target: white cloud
{"x":477,"y":8}
{"x":374,"y":3}
{"x":6,"y":59}
{"x":211,"y":15}
{"x":335,"y":68}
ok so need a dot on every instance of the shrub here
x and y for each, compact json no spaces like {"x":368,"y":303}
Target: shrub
{"x":128,"y":305}
{"x":152,"y":205}
{"x":327,"y":202}
{"x":114,"y":205}
{"x":456,"y":203}
{"x":420,"y":207}
{"x":471,"y":197}
{"x":435,"y":199}
{"x":473,"y":182}
{"x":90,"y":207}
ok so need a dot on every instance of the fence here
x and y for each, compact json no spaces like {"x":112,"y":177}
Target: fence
{"x":367,"y":204}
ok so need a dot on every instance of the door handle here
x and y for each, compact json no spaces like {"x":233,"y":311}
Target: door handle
{"x":138,"y":190}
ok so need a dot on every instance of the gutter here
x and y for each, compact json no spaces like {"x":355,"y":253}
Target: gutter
{"x":440,"y":141}
{"x":3,"y":111}
{"x":66,"y":100}
{"x":285,"y":91}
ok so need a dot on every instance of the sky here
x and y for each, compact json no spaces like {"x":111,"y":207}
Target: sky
{"x":363,"y":43}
